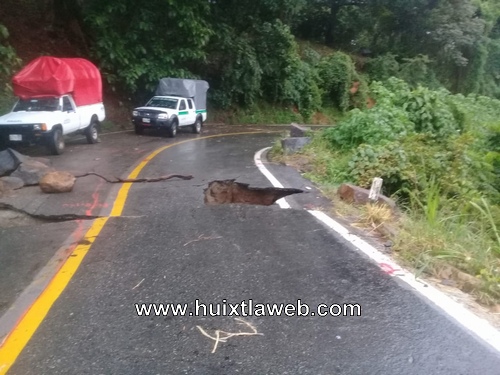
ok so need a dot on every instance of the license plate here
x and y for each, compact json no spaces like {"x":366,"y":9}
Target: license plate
{"x":15,"y":137}
{"x":146,"y":120}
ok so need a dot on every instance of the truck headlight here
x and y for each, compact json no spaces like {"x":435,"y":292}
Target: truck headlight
{"x":42,"y":127}
{"x":135,"y":113}
{"x":163,"y":116}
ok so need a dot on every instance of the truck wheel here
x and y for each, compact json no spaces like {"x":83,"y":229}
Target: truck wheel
{"x":56,"y":142}
{"x":139,"y":130}
{"x":91,"y":133}
{"x":197,"y":126}
{"x":172,"y":131}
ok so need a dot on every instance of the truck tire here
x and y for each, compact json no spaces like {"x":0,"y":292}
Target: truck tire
{"x":91,"y":133}
{"x":197,"y":126}
{"x":56,"y":142}
{"x":172,"y":130}
{"x":139,"y":130}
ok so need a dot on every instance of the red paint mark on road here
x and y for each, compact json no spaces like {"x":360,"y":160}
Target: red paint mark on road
{"x":388,"y":269}
{"x":95,"y":197}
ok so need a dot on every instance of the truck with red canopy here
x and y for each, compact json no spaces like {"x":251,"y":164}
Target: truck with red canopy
{"x":56,"y":97}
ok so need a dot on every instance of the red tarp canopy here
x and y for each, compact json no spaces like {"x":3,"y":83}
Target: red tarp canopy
{"x":52,"y":76}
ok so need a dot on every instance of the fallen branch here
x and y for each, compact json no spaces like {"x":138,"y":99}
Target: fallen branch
{"x":140,"y":282}
{"x":201,"y":238}
{"x":223,"y":336}
{"x":121,"y":180}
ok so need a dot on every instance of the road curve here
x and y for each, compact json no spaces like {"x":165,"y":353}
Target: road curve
{"x":167,"y":246}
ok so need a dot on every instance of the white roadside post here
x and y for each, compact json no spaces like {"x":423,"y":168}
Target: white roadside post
{"x":375,"y":189}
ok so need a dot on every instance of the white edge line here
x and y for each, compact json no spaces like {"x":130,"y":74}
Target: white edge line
{"x":479,"y":326}
{"x":274,"y":181}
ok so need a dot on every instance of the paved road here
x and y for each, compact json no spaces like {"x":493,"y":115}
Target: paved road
{"x":169,"y":247}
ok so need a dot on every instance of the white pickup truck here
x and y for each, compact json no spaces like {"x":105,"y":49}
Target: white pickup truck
{"x":48,"y":120}
{"x":178,"y":103}
{"x":57,"y":96}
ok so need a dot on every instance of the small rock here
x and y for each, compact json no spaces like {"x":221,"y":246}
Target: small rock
{"x":495,"y":309}
{"x":31,"y":171}
{"x":448,"y":282}
{"x":354,"y":194}
{"x":459,"y":279}
{"x":292,"y":145}
{"x":12,"y":183}
{"x":57,"y":182}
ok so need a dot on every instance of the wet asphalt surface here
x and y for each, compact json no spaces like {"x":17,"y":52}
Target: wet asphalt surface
{"x":170,"y":247}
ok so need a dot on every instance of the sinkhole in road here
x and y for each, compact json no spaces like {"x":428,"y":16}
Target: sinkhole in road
{"x":230,"y":191}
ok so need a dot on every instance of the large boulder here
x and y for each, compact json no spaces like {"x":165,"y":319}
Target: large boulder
{"x":298,"y":130}
{"x":20,"y":158}
{"x":8,"y":162}
{"x":355,"y":194}
{"x":292,"y":145}
{"x":57,"y":182}
{"x":31,"y":171}
{"x":17,"y":156}
{"x":12,"y":183}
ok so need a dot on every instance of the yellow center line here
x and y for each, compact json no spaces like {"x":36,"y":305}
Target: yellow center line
{"x":27,"y":325}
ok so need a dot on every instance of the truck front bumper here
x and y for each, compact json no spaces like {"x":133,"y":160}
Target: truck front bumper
{"x":21,"y":134}
{"x":153,"y":123}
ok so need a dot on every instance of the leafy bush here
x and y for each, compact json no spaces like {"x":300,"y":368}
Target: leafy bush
{"x":337,"y":74}
{"x":234,"y":73}
{"x":285,"y":78}
{"x":382,"y":67}
{"x":430,"y":113}
{"x":418,"y":71}
{"x":388,"y":161}
{"x":261,"y":65}
{"x":378,"y":125}
{"x":301,"y":89}
{"x":8,"y":60}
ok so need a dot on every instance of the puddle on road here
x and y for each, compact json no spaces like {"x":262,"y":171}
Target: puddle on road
{"x":230,"y":191}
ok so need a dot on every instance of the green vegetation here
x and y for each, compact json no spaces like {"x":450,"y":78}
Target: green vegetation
{"x":250,"y":54}
{"x":8,"y":62}
{"x":438,"y":156}
{"x":413,"y":87}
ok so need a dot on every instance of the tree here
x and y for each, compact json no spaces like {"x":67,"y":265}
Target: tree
{"x":139,"y":42}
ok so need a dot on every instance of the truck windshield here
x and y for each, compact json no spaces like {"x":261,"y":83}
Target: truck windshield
{"x":40,"y":104}
{"x":163,"y":103}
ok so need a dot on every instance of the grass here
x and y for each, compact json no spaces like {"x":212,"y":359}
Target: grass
{"x":435,"y":235}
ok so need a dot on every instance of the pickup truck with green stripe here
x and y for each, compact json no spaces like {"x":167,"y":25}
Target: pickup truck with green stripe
{"x":178,"y":103}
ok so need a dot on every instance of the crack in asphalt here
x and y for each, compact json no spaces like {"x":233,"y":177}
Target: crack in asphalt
{"x":55,"y":218}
